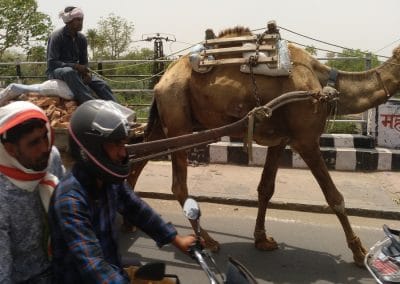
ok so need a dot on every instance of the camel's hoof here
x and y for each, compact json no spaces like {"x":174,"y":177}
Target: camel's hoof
{"x":212,"y":245}
{"x":359,"y":252}
{"x":266,"y":244}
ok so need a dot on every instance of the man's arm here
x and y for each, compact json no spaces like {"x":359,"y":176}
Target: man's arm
{"x":73,"y":217}
{"x":143,"y":216}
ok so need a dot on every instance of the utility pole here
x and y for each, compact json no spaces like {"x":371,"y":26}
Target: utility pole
{"x":158,"y":55}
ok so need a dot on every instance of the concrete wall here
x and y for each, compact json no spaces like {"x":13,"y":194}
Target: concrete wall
{"x":388,"y":120}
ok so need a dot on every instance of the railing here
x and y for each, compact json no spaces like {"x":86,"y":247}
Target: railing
{"x":98,"y":63}
{"x":124,"y":88}
{"x":141,"y":106}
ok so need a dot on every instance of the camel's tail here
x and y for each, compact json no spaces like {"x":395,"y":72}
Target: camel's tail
{"x":152,"y":121}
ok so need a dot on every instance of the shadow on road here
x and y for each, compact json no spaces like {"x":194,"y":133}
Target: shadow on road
{"x":288,"y":264}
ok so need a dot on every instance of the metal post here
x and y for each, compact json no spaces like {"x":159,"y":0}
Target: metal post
{"x":158,"y":67}
{"x":365,"y":127}
{"x":18,"y":71}
{"x":100,"y":68}
{"x":368,"y":66}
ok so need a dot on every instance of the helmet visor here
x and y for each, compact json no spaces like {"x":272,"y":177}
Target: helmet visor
{"x":111,"y":116}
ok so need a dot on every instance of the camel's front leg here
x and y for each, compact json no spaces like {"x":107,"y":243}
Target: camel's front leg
{"x":265,"y":190}
{"x":180,"y":191}
{"x":311,"y":154}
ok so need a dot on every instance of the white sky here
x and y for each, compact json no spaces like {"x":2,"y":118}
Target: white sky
{"x":359,"y":24}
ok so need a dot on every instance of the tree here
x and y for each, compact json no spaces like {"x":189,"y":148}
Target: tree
{"x":21,"y":24}
{"x":311,"y":50}
{"x":141,"y":68}
{"x":36,"y":53}
{"x":91,"y":35}
{"x":356,"y":62}
{"x":115,"y":34}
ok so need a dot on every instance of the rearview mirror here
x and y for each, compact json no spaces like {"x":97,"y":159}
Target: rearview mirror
{"x":191,"y":209}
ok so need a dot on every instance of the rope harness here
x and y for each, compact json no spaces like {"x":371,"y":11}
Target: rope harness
{"x":378,"y":75}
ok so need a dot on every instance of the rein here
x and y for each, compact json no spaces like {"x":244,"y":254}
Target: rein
{"x":378,"y":75}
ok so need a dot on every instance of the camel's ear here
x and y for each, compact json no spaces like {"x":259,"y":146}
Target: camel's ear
{"x":396,"y":52}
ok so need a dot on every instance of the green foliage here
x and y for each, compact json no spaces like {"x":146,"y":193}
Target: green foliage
{"x":138,"y":101}
{"x":21,"y":25}
{"x":138,"y":68}
{"x":341,"y":127}
{"x":93,"y":41}
{"x":352,"y":64}
{"x":131,"y":75}
{"x":112,"y":38}
{"x":8,"y":72}
{"x":311,"y":50}
{"x":36,"y":53}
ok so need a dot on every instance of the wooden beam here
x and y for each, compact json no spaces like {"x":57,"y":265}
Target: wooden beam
{"x":228,"y":40}
{"x":229,"y":50}
{"x":231,"y":61}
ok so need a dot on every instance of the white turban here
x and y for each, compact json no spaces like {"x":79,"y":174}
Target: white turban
{"x":69,"y":16}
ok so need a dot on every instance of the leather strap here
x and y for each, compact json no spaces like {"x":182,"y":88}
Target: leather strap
{"x":332,"y":78}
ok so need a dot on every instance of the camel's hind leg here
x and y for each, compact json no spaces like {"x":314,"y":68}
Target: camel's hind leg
{"x":311,"y":154}
{"x":265,"y":190}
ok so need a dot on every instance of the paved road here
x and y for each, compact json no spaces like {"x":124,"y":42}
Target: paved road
{"x":312,"y":247}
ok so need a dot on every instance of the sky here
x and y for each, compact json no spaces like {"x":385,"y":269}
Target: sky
{"x":368,"y":25}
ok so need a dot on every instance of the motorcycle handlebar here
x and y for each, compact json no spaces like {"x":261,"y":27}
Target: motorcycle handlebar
{"x":198,"y":255}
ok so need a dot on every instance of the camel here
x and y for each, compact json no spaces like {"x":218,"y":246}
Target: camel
{"x":185,"y":101}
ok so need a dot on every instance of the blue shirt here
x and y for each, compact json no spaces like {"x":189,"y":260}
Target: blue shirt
{"x":83,"y":230}
{"x":65,"y":51}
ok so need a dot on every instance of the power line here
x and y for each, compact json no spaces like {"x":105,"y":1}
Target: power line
{"x":387,"y":45}
{"x":327,"y":43}
{"x":314,"y":39}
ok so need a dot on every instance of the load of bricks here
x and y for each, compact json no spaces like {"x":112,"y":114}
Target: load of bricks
{"x":57,"y":109}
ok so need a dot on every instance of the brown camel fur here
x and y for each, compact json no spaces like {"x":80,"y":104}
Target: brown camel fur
{"x":186,"y":100}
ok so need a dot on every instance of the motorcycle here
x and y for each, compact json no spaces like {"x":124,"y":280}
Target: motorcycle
{"x":383,"y":259}
{"x":236,"y":272}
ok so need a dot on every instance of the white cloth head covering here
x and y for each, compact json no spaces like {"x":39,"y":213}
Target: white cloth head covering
{"x":11,"y":115}
{"x":69,"y":16}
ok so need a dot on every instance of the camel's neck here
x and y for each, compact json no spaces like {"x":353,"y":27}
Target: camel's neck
{"x":360,"y":91}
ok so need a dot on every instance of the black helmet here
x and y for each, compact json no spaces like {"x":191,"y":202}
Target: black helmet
{"x":93,"y":123}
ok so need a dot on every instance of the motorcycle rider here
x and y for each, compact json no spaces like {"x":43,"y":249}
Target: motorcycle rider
{"x":84,"y":205}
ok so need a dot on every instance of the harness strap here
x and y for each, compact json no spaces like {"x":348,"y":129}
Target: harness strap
{"x":332,"y":78}
{"x":378,"y":74}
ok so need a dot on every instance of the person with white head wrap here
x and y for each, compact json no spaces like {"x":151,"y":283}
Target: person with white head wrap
{"x":29,"y":171}
{"x":67,"y":59}
{"x":70,"y":15}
